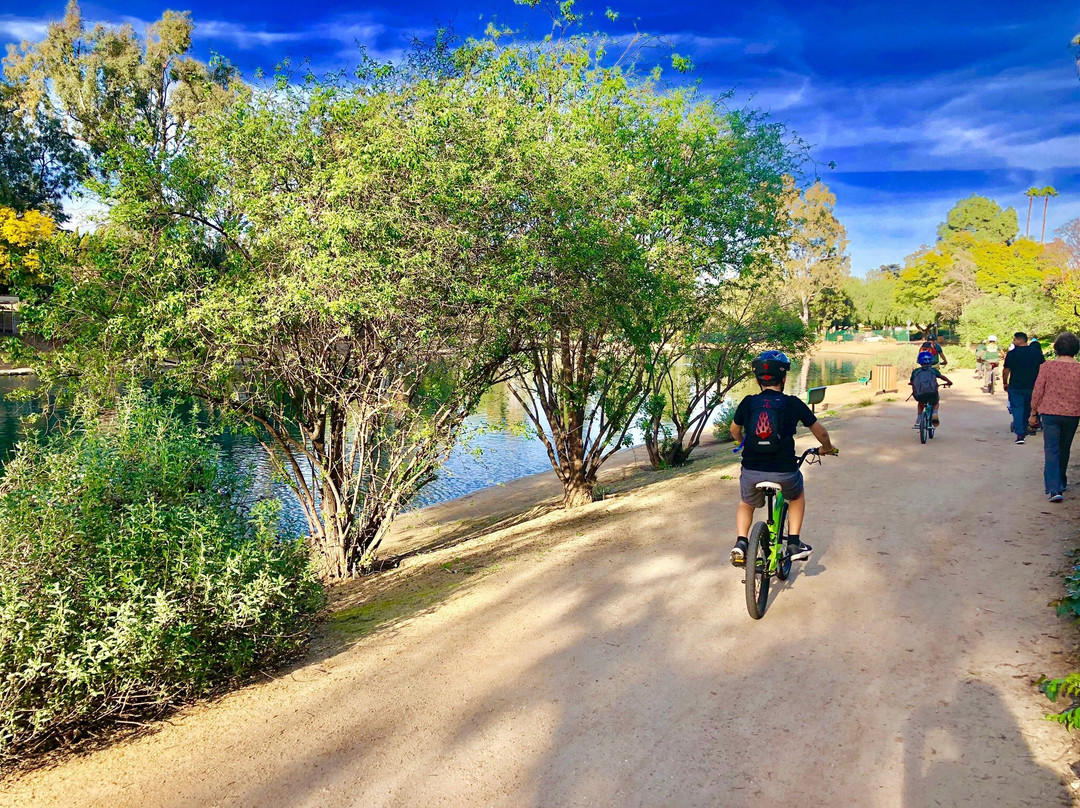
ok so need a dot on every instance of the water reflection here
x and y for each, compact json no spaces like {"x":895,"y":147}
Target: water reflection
{"x":12,"y":413}
{"x":498,"y":443}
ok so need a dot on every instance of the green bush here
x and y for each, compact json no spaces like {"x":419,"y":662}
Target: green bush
{"x":722,"y":423}
{"x":131,"y":581}
{"x":1068,"y":685}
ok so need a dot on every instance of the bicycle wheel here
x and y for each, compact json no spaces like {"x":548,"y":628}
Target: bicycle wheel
{"x":930,"y":425}
{"x":784,"y":570}
{"x":923,"y":426}
{"x":757,"y":570}
{"x":990,"y":384}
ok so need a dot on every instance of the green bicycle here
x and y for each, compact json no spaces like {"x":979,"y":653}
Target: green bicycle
{"x":767,"y":549}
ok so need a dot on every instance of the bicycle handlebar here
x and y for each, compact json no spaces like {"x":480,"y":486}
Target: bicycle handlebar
{"x":816,"y":452}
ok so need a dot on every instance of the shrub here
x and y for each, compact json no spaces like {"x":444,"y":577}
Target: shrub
{"x":722,"y":422}
{"x":130,"y":579}
{"x":1068,"y":685}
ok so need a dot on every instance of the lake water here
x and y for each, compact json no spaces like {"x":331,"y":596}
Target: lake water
{"x":498,"y":444}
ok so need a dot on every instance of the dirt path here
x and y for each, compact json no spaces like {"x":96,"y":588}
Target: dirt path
{"x":605,"y":658}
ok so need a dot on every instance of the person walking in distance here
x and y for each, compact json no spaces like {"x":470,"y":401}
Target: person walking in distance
{"x":1018,"y":379}
{"x":1056,"y":398}
{"x":991,"y":359}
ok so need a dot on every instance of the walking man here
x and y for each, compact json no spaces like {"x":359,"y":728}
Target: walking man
{"x":1018,"y":378}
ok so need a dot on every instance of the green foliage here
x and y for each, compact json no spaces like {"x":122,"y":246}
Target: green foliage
{"x":873,"y":300}
{"x":1069,"y":685}
{"x":1003,"y":316}
{"x":131,"y":582}
{"x":815,"y":251}
{"x":39,"y":160}
{"x":108,"y":84}
{"x":833,"y":308}
{"x":722,"y":423}
{"x":981,"y":218}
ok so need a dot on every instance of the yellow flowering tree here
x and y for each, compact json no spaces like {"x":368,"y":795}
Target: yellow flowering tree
{"x":21,"y":234}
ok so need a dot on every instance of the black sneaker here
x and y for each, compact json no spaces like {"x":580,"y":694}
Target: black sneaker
{"x":1019,"y":439}
{"x":799,"y":551}
{"x":738,"y":554}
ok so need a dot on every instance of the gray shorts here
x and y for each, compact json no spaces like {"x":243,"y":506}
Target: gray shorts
{"x":791,"y":483}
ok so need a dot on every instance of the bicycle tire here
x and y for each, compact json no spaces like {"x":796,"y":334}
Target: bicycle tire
{"x":922,"y":426}
{"x":757,"y":570}
{"x":783,"y":572}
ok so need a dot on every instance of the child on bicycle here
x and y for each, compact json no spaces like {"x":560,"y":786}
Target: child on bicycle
{"x":924,"y":387}
{"x":768,"y":452}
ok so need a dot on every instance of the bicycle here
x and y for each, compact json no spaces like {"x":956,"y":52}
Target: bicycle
{"x":926,"y":421}
{"x":991,"y":376}
{"x":767,"y":550}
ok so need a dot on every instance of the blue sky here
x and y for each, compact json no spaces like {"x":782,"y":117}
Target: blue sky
{"x":918,"y":104}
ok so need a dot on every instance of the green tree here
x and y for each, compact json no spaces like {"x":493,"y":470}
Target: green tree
{"x":330,"y":266}
{"x":982,"y":218}
{"x":833,"y":308}
{"x":921,"y":284}
{"x":706,"y":359}
{"x":108,"y":84}
{"x":668,"y":197}
{"x":39,"y":161}
{"x":816,"y":245}
{"x":874,"y":299}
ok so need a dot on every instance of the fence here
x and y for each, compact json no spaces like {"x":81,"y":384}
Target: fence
{"x":9,"y":319}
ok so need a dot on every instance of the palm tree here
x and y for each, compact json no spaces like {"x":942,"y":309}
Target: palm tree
{"x":1030,"y":193}
{"x":1046,"y":192}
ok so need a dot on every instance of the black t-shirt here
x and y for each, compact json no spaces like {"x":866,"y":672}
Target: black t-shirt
{"x":1023,"y":364}
{"x":795,"y":412}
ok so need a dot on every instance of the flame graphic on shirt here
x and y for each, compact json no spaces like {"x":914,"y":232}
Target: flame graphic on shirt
{"x":764,"y":427}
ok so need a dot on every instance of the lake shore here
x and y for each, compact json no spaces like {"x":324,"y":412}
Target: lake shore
{"x":495,"y":667}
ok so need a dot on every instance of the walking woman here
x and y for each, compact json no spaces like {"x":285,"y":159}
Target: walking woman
{"x":1056,"y":398}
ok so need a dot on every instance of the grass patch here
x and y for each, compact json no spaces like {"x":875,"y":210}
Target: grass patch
{"x":359,"y":621}
{"x":866,"y":402}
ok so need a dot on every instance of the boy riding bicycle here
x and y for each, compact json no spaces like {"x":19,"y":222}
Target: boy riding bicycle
{"x":768,"y":450}
{"x":924,"y":387}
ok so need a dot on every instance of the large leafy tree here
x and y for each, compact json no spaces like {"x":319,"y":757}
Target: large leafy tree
{"x":106,"y":85}
{"x":640,"y":202}
{"x":874,"y":298}
{"x":816,"y":240}
{"x":330,"y":266}
{"x":39,"y":160}
{"x":980,"y":218}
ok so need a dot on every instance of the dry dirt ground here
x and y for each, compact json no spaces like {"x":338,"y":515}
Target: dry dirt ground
{"x":605,"y":657}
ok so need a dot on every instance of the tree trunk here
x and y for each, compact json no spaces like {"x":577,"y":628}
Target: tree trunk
{"x":577,"y":491}
{"x":1027,"y":227}
{"x":1046,"y":204}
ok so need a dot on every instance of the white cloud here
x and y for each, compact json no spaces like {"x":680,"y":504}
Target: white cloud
{"x":241,"y":35}
{"x":23,"y":29}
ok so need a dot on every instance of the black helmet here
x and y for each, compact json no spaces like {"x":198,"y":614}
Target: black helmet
{"x":771,"y":366}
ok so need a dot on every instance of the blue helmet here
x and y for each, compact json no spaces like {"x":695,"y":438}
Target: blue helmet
{"x":771,"y":366}
{"x":925,"y":358}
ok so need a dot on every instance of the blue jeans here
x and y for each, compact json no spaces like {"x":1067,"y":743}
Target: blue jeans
{"x":1020,"y":404}
{"x":1058,"y":432}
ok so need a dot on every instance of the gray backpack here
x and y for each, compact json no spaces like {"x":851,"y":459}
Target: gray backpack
{"x":924,"y":382}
